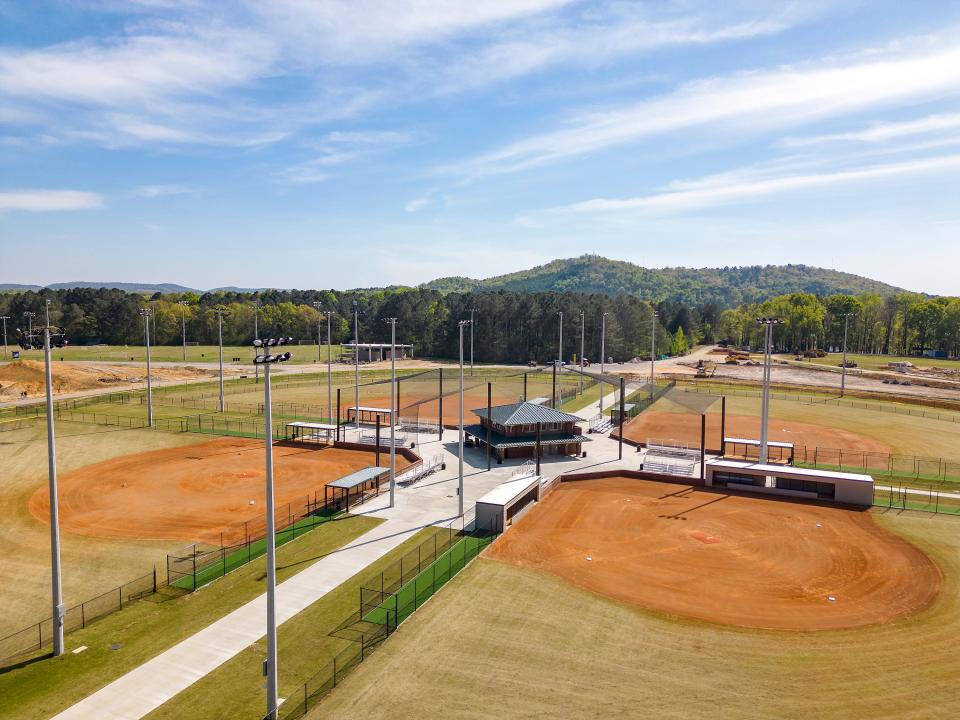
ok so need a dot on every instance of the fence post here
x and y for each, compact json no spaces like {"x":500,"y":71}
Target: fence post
{"x":334,"y":670}
{"x":194,"y":575}
{"x":83,"y":615}
{"x":223,"y":555}
{"x":154,"y":578}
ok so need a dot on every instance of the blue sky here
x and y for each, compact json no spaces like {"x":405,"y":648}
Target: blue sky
{"x":368,"y":142}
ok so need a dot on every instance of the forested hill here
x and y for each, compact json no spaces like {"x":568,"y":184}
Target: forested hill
{"x":728,"y":287}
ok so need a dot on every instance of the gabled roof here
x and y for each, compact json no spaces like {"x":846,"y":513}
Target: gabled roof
{"x":526,"y":413}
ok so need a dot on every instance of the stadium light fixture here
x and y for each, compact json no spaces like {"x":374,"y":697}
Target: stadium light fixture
{"x":256,"y":334}
{"x":318,"y":305}
{"x":29,"y":316}
{"x":559,"y":365}
{"x":843,"y":365}
{"x":583,"y":334}
{"x":183,"y":325}
{"x":653,"y":345}
{"x":462,"y":324}
{"x":270,"y":665}
{"x":145,"y":313}
{"x":221,"y":311}
{"x":3,"y":319}
{"x":768,"y":324}
{"x":392,"y":322}
{"x":329,"y":314}
{"x":356,"y":364}
{"x":472,"y":311}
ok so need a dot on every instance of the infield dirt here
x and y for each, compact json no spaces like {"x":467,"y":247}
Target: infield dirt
{"x":725,"y":558}
{"x":193,"y":493}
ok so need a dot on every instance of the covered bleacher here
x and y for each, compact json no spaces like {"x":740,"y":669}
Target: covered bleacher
{"x":311,"y":432}
{"x":368,"y":414}
{"x":354,"y":488}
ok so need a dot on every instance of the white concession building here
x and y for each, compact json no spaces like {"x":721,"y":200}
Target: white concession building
{"x":840,"y":487}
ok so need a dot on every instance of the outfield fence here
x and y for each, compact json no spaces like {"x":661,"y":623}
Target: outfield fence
{"x":387,"y":599}
{"x":39,"y":635}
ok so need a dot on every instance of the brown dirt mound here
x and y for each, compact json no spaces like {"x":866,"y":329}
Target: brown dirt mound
{"x":685,"y":428}
{"x":732,"y":559}
{"x":193,"y":493}
{"x":27,"y":376}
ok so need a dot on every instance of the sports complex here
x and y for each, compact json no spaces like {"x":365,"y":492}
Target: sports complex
{"x":616,"y":545}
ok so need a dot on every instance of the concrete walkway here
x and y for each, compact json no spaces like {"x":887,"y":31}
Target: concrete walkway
{"x":433,"y":500}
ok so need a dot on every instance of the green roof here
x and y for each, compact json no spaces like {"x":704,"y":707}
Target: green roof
{"x":526,"y":413}
{"x":498,"y":441}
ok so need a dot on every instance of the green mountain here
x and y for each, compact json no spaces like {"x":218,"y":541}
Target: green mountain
{"x":728,"y":286}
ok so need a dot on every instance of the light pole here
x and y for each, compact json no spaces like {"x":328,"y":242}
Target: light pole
{"x":560,"y":362}
{"x":767,"y":324}
{"x":270,"y":665}
{"x":4,"y":318}
{"x":145,"y":313}
{"x":55,"y":576}
{"x":356,"y":364}
{"x":393,"y":404}
{"x":317,"y":304}
{"x":329,"y":313}
{"x":843,"y":365}
{"x":603,"y":353}
{"x":256,"y":335}
{"x":472,"y":311}
{"x":462,"y":323}
{"x":29,"y":316}
{"x":183,"y":325}
{"x":220,"y":311}
{"x":582,"y":336}
{"x":653,"y":344}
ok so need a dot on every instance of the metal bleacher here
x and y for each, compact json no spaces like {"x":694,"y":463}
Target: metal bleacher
{"x":409,"y":477}
{"x":370,"y":438}
{"x":601,"y":423}
{"x":671,"y":458}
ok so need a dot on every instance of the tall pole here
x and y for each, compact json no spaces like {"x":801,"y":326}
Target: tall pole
{"x":329,"y":369}
{"x":767,"y":324}
{"x":55,"y":585}
{"x":653,"y":345}
{"x":29,"y":316}
{"x":472,"y":310}
{"x":356,"y":364}
{"x":582,"y":336}
{"x":4,"y":319}
{"x":603,"y":354}
{"x":460,"y":486}
{"x":318,"y":305}
{"x":393,"y":419}
{"x":220,"y":312}
{"x":183,"y":326}
{"x":558,"y":365}
{"x":256,"y":335}
{"x":843,"y":365}
{"x":146,"y":313}
{"x":270,"y":668}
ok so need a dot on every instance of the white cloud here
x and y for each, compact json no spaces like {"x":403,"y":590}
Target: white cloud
{"x":416,"y":204}
{"x":49,"y":200}
{"x":881,"y":132}
{"x":746,"y":102}
{"x":155,"y":191}
{"x":727,"y":188}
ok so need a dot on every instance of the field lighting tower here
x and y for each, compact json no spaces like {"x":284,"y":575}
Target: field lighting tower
{"x":3,"y":319}
{"x":472,"y":311}
{"x":356,"y":364}
{"x":145,"y":313}
{"x":51,"y":336}
{"x":29,"y":316}
{"x":183,"y":325}
{"x":653,"y":344}
{"x":270,"y":664}
{"x":256,"y":334}
{"x":582,"y":337}
{"x":843,"y":366}
{"x":560,"y":361}
{"x":768,"y":324}
{"x":318,"y":305}
{"x":329,"y":314}
{"x":221,"y":311}
{"x":462,"y":324}
{"x":603,"y":353}
{"x":392,"y":322}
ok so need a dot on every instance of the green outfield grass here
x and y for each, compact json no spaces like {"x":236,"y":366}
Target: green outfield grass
{"x":512,"y":642}
{"x":174,"y":353}
{"x":144,"y":629}
{"x":878,"y":362}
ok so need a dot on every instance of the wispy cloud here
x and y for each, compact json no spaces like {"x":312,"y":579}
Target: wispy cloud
{"x":338,"y":148}
{"x":416,"y":204}
{"x":728,"y":188}
{"x":881,"y":132}
{"x":155,"y":191}
{"x":49,"y":200}
{"x":744,"y":103}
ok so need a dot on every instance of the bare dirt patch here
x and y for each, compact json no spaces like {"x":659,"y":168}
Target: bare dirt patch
{"x":733,"y":559}
{"x":192,"y":493}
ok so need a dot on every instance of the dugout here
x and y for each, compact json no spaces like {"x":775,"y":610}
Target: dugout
{"x":497,"y":509}
{"x":355,"y":487}
{"x":847,"y":488}
{"x":311,"y":432}
{"x":367,"y":413}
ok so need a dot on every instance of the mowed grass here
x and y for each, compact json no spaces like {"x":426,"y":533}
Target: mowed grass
{"x":45,"y":686}
{"x":304,"y":645}
{"x":174,"y":353}
{"x":514,"y":642}
{"x":880,"y":362}
{"x":91,"y":566}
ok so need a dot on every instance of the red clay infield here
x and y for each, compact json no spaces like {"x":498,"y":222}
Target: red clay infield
{"x":192,"y":493}
{"x":732,"y":559}
{"x":685,"y":428}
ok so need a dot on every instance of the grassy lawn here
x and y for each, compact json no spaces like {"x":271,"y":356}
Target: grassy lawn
{"x":522,"y":643}
{"x":146,"y":628}
{"x":174,"y":353}
{"x":879,"y":362}
{"x":235,"y":689}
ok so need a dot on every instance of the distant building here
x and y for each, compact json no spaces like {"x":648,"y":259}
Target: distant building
{"x":373,"y":352}
{"x":513,"y":431}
